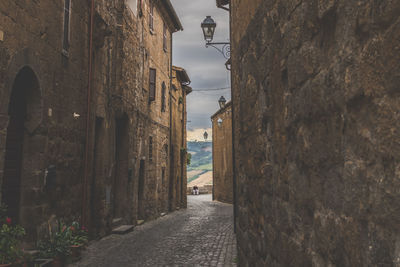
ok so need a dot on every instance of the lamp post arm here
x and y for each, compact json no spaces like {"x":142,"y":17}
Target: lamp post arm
{"x":225,"y":50}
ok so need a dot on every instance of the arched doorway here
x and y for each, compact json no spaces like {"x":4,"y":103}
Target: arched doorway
{"x":24,"y":108}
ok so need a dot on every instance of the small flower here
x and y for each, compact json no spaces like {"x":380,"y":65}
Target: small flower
{"x":72,"y":228}
{"x":84,"y":228}
{"x":8,"y":220}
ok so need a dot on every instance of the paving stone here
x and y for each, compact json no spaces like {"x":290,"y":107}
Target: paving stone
{"x":173,"y":240}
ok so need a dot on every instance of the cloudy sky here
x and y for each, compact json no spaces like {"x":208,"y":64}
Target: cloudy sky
{"x":205,"y":66}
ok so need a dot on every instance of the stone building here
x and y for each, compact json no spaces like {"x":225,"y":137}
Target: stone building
{"x":222,"y":154}
{"x":178,"y":184}
{"x":316,"y":132}
{"x":159,"y":24}
{"x":41,"y":142}
{"x":78,"y":105}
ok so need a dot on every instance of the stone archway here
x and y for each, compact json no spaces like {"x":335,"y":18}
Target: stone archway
{"x":25,"y":115}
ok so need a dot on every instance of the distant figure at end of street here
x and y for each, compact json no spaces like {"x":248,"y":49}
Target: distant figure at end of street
{"x":195,"y":190}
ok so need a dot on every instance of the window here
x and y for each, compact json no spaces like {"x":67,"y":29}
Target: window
{"x":165,"y":38}
{"x":151,"y":16}
{"x":132,"y":5}
{"x":150,"y":148}
{"x":67,"y":17}
{"x":152,"y":85}
{"x":163,"y":175}
{"x":163,"y":97}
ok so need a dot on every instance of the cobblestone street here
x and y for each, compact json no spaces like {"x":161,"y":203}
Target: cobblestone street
{"x":202,"y":235}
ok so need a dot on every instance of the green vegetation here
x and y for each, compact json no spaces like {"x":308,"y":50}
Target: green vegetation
{"x":201,"y":155}
{"x":205,"y":167}
{"x":201,"y":158}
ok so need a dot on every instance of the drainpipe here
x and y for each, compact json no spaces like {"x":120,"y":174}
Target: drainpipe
{"x":171,"y":160}
{"x":183,"y":162}
{"x":89,"y":88}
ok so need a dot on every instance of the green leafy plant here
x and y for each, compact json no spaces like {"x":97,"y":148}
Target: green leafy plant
{"x":183,"y":151}
{"x":57,"y":244}
{"x":79,"y":235}
{"x":189,"y":158}
{"x":10,"y":238}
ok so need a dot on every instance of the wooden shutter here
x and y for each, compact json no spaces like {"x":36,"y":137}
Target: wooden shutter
{"x":163,"y":97}
{"x":150,"y":148}
{"x":151,"y":16}
{"x":165,"y":38}
{"x":152,"y":85}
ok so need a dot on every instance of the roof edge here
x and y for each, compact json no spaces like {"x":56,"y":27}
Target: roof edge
{"x":171,"y":11}
{"x":183,"y":76}
{"x":221,"y":110}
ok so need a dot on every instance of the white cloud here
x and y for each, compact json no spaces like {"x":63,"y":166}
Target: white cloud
{"x":198,"y":134}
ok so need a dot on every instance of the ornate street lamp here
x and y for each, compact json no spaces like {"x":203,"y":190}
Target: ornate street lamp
{"x":205,"y":135}
{"x":208,"y":25}
{"x":222,"y":102}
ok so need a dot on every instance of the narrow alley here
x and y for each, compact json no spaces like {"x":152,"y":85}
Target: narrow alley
{"x":201,"y":235}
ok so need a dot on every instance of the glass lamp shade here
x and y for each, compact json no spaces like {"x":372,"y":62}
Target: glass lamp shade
{"x":205,"y":135}
{"x":222,"y":102}
{"x":208,"y":26}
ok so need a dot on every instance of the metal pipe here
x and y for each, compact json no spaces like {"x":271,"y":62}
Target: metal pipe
{"x":90,"y":68}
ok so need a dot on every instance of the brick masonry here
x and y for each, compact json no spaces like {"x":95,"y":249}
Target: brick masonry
{"x":316,"y":101}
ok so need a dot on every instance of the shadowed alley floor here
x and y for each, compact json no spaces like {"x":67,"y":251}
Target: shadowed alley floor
{"x":202,"y":235}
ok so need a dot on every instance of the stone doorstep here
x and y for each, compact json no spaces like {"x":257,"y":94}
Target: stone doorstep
{"x":116,"y":222}
{"x":163,"y":214}
{"x":123,"y":229}
{"x":140,"y":222}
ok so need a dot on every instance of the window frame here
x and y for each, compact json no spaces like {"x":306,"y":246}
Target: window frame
{"x":165,"y":45}
{"x":151,"y":148}
{"x":151,"y":16}
{"x":163,"y":97}
{"x":152,"y":85}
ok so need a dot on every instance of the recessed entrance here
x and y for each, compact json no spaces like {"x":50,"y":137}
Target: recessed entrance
{"x":23,"y":107}
{"x":141,"y":214}
{"x":121,"y":188}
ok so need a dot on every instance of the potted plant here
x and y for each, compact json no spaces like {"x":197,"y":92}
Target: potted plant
{"x":10,"y":238}
{"x":79,"y":238}
{"x":57,"y":245}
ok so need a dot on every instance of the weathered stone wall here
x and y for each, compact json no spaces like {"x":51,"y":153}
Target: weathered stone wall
{"x":178,"y":177}
{"x":222,"y":154}
{"x":32,"y":37}
{"x":116,"y":129}
{"x":159,"y":120}
{"x":316,"y":114}
{"x":121,"y":117}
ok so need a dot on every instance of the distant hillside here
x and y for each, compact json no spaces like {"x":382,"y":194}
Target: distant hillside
{"x":201,"y":161}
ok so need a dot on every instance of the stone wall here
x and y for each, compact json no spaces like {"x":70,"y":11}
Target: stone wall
{"x":121,"y":180}
{"x":316,"y":115}
{"x":178,"y":180}
{"x":32,"y":38}
{"x":222,"y":154}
